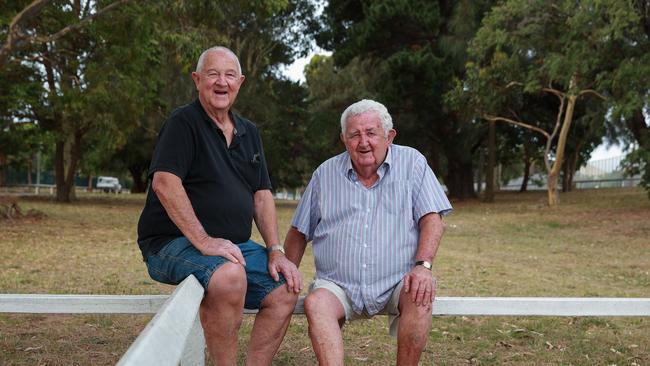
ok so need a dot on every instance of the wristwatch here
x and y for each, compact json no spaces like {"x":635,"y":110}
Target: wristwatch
{"x":424,"y":264}
{"x":274,"y":248}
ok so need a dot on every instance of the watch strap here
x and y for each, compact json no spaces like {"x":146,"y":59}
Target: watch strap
{"x":275,"y":248}
{"x":425,"y":264}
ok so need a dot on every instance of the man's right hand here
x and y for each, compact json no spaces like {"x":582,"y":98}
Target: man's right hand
{"x":222,"y":248}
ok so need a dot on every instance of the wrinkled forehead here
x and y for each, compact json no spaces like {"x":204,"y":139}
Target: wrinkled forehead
{"x":363,"y":121}
{"x":221,"y":60}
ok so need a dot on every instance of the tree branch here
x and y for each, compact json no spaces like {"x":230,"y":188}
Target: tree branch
{"x":81,"y":23}
{"x":520,"y":124}
{"x":15,"y":33}
{"x":591,"y":91}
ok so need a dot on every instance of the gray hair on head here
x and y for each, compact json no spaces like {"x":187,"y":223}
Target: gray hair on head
{"x":367,"y":105}
{"x":199,"y":64}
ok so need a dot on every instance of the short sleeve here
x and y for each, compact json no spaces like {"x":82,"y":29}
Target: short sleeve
{"x":428,"y":195}
{"x":174,"y":150}
{"x":307,"y":215}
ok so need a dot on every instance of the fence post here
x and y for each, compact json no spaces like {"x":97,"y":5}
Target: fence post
{"x":194,"y":350}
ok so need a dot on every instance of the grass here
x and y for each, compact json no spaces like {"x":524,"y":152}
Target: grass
{"x":597,"y":243}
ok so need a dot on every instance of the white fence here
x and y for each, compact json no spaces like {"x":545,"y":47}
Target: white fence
{"x":174,"y":335}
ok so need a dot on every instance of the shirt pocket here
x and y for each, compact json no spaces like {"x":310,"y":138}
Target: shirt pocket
{"x":395,"y":197}
{"x":251,"y":171}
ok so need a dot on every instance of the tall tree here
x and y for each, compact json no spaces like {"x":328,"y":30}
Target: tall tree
{"x":414,"y":46}
{"x":570,"y":50}
{"x":89,"y":88}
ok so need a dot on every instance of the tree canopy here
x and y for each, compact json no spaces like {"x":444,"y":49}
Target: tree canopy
{"x":470,"y":84}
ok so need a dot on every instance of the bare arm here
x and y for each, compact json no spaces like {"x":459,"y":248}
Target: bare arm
{"x":419,"y":281}
{"x":431,"y":229}
{"x":266,"y":217}
{"x":169,"y":189}
{"x":267,"y":224}
{"x":294,"y":245}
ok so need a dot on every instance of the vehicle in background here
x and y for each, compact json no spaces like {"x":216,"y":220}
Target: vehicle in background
{"x":109,"y":184}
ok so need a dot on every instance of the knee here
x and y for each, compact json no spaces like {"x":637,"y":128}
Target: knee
{"x":282,"y":300}
{"x":312,"y":304}
{"x":228,"y":282}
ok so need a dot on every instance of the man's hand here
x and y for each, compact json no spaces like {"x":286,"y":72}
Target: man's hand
{"x":421,"y":285}
{"x":278,"y":263}
{"x":222,"y":248}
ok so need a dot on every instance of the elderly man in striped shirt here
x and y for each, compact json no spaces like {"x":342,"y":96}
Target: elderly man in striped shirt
{"x":373,"y":214}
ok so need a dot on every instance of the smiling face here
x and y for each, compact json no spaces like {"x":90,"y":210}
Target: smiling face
{"x":218,"y":81}
{"x":366,"y":141}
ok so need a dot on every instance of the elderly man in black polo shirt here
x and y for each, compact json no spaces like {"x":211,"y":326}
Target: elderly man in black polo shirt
{"x":209,"y":182}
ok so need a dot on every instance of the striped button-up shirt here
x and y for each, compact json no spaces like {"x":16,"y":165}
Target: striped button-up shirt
{"x":365,"y":239}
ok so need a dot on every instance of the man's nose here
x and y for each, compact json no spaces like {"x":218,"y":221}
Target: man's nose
{"x":220,"y":79}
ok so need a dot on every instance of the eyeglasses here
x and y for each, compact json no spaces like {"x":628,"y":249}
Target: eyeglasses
{"x":229,"y":76}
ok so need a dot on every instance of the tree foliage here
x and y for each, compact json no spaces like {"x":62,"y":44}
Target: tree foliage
{"x":571,"y":50}
{"x":415,"y":47}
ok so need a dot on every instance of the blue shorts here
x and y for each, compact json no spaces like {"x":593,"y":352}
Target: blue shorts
{"x":179,"y":259}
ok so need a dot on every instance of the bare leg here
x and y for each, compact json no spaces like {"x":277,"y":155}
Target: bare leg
{"x":413,"y":331}
{"x":271,"y":324}
{"x":221,"y":312}
{"x":325,"y":314}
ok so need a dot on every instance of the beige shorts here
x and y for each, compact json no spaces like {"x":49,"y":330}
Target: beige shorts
{"x":391,"y":309}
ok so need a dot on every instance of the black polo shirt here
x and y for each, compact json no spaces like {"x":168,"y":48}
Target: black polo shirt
{"x":220,"y":180}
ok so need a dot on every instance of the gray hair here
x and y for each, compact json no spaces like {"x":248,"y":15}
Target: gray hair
{"x":199,"y":64}
{"x":367,"y":105}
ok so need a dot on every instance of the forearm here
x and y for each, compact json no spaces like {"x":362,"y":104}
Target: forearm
{"x":431,"y":229}
{"x":266,"y":217}
{"x":169,"y":189}
{"x":294,"y":246}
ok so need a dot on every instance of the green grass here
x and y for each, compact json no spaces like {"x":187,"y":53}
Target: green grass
{"x":596,"y":243}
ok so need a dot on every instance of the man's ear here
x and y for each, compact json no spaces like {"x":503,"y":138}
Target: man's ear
{"x":196,"y":77}
{"x":342,"y":138}
{"x":391,"y":135}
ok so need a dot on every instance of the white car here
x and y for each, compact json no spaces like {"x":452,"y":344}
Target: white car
{"x":109,"y":184}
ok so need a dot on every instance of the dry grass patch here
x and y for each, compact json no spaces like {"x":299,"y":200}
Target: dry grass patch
{"x":595,"y":244}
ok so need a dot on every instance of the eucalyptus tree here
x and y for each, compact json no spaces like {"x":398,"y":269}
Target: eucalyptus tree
{"x":572,"y":50}
{"x":89,"y":73}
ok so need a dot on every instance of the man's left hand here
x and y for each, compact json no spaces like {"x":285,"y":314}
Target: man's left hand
{"x":421,"y":285}
{"x":278,"y":263}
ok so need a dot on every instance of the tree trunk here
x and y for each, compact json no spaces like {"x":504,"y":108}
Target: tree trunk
{"x":90,"y":183}
{"x":566,"y":175}
{"x":29,"y":170}
{"x":66,"y":160}
{"x":139,"y":183}
{"x":526,"y":178}
{"x":637,"y":125}
{"x":553,"y":174}
{"x":479,"y":171}
{"x":459,"y":179}
{"x":491,"y":162}
{"x":3,"y":173}
{"x":527,"y":164}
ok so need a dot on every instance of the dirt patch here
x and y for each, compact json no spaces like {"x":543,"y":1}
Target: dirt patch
{"x":10,"y":210}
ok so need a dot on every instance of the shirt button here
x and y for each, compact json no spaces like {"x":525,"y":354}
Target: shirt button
{"x":367,"y":210}
{"x":365,"y":245}
{"x":366,"y":226}
{"x":364,"y":266}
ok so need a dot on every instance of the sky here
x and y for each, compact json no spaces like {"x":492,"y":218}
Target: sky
{"x":295,"y":73}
